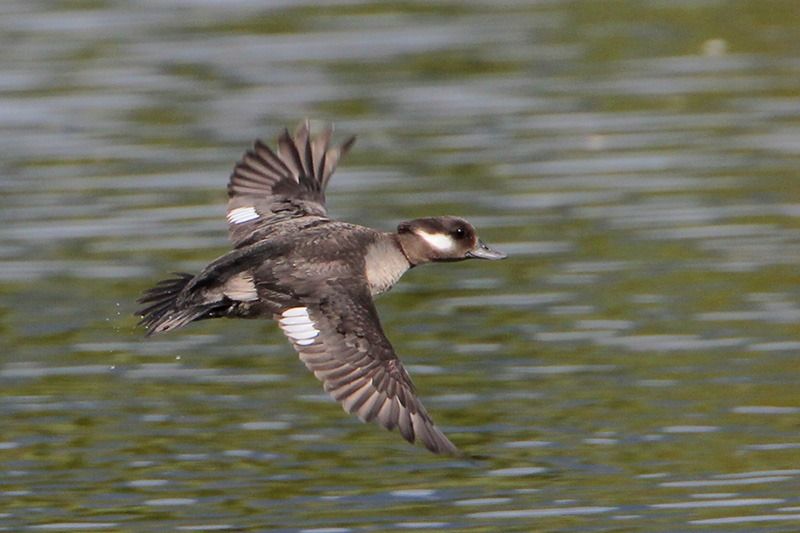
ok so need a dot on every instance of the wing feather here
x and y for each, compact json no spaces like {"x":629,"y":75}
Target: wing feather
{"x":288,"y":182}
{"x":357,"y":365}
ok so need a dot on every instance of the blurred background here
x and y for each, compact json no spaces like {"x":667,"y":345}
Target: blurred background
{"x":632,"y":366}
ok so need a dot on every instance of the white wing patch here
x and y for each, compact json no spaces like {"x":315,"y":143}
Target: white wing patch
{"x":439,"y":241}
{"x":298,"y":326}
{"x":242,"y":214}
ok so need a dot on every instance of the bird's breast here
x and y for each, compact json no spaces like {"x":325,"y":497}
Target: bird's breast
{"x":384,"y":265}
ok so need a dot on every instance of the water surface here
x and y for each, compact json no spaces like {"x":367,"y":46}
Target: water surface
{"x":632,"y":366}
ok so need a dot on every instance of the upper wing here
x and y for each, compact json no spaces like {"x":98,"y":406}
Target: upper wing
{"x":340,"y":339}
{"x":266,"y":185}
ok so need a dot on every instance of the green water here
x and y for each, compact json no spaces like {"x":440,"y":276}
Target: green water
{"x":633,"y":366}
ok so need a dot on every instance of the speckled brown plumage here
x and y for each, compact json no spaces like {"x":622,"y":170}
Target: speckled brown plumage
{"x":317,"y":278}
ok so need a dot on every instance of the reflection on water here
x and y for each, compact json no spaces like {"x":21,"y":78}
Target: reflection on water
{"x":633,"y":365}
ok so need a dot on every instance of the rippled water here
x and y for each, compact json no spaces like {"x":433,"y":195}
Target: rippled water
{"x":633,"y":365}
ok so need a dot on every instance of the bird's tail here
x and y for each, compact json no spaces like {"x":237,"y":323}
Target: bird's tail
{"x":163,"y":311}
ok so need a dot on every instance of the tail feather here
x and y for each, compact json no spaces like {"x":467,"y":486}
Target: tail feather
{"x":161,"y":311}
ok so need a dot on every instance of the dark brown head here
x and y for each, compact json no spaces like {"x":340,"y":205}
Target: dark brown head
{"x":442,"y":239}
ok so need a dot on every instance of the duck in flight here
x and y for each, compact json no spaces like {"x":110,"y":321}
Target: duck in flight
{"x":317,"y":278}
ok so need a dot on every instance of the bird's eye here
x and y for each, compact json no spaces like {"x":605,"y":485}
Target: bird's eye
{"x":460,"y":232}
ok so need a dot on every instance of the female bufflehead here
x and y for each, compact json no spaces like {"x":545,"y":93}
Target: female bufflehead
{"x":317,"y":278}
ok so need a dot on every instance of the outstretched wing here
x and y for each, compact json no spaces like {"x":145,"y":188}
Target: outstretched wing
{"x":267,"y":185}
{"x":341,"y":341}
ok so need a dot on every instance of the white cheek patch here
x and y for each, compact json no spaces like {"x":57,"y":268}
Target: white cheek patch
{"x":298,"y":326}
{"x":242,"y":214}
{"x":439,"y":241}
